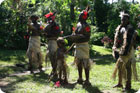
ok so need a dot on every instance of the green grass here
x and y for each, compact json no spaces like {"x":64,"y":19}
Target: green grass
{"x":100,"y":75}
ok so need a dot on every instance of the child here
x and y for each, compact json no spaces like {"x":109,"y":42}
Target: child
{"x":61,"y":63}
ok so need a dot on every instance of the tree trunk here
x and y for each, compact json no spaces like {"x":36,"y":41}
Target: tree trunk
{"x":133,"y":1}
{"x":72,"y":15}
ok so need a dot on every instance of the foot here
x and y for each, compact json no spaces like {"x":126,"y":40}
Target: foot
{"x":118,"y":86}
{"x":61,"y":81}
{"x":40,"y":70}
{"x":31,"y":71}
{"x":65,"y":81}
{"x":87,"y":83}
{"x":80,"y":81}
{"x":126,"y":89}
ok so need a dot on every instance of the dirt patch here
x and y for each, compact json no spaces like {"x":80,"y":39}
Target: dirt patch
{"x":3,"y":83}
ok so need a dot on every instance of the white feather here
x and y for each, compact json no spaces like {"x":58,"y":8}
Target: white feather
{"x":121,"y":14}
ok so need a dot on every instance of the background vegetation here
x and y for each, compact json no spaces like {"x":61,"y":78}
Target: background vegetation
{"x":104,"y":18}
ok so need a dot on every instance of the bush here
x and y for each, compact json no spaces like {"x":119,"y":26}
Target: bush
{"x":96,"y":36}
{"x":106,"y":41}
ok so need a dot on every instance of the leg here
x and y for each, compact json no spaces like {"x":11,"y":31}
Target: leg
{"x":128,"y":73}
{"x":30,"y":66}
{"x":53,"y":63}
{"x":40,"y":61}
{"x":80,"y":67}
{"x":119,"y":75}
{"x":87,"y":70}
{"x":31,"y":61}
{"x":65,"y":73}
{"x":60,"y":75}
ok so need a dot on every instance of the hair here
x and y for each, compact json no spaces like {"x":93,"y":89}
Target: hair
{"x":34,"y":17}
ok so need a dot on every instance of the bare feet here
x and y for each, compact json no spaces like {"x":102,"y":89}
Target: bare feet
{"x":126,"y":89}
{"x":65,"y":81}
{"x":80,"y":81}
{"x":31,"y":71}
{"x":87,"y":83}
{"x":118,"y":86}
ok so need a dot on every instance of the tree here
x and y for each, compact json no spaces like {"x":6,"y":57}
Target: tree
{"x":101,"y":11}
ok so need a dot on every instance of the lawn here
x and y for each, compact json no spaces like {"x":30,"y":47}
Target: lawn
{"x":15,"y":79}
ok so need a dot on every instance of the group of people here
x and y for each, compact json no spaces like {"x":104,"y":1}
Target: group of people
{"x":123,"y":48}
{"x":56,"y":46}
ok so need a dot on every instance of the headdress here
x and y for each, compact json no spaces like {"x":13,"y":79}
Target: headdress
{"x":50,"y":15}
{"x":84,"y":14}
{"x":122,"y":14}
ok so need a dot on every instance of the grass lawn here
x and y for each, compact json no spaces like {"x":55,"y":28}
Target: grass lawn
{"x":15,"y":79}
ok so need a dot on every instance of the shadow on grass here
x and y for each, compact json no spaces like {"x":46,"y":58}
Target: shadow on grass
{"x":7,"y":70}
{"x":89,"y":89}
{"x":8,"y":55}
{"x":104,"y":60}
{"x":11,"y":86}
{"x":41,"y":78}
{"x":92,"y":89}
{"x":69,"y":85}
{"x":132,"y":91}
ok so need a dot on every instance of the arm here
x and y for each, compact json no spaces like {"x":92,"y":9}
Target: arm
{"x":128,"y":41}
{"x":83,"y":35}
{"x":115,"y":45}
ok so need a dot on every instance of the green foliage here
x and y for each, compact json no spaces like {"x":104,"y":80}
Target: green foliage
{"x":96,"y":36}
{"x":104,"y":16}
{"x":134,"y":12}
{"x":101,"y":10}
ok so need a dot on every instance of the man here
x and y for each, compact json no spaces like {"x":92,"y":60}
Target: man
{"x":52,"y":32}
{"x":34,"y":51}
{"x":81,"y":38}
{"x":124,"y":42}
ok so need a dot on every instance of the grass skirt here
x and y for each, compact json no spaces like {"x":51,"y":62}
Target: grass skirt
{"x":34,"y":51}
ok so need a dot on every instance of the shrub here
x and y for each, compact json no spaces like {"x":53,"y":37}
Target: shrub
{"x":106,"y":41}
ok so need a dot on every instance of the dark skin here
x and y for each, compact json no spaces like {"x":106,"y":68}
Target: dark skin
{"x":80,"y":65}
{"x":82,"y":34}
{"x":124,"y":23}
{"x":33,"y":30}
{"x":60,"y":56}
{"x":52,"y":31}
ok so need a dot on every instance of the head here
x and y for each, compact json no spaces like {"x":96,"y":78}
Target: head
{"x":84,"y":15}
{"x":50,"y":17}
{"x":34,"y":18}
{"x":124,"y":18}
{"x":61,"y":42}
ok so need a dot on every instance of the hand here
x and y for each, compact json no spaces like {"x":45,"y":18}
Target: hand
{"x":114,"y":48}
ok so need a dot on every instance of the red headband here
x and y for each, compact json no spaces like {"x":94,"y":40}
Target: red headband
{"x":49,"y":15}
